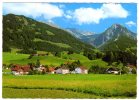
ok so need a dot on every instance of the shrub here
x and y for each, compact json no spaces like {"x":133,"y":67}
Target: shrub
{"x":134,"y":71}
{"x":98,"y":69}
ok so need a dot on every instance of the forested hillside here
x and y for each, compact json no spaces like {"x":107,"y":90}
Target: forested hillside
{"x":28,"y":36}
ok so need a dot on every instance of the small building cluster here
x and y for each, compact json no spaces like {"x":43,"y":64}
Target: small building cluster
{"x":20,"y":70}
{"x":24,"y":70}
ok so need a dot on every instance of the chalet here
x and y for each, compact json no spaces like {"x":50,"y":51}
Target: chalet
{"x":51,"y":70}
{"x":62,"y":70}
{"x":20,"y":70}
{"x":112,"y":70}
{"x":26,"y":69}
{"x":16,"y":70}
{"x":81,"y":70}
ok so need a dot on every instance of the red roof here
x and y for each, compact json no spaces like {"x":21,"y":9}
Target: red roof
{"x":18,"y":67}
{"x":15,"y":68}
{"x":26,"y":68}
{"x":83,"y":68}
{"x":51,"y":69}
{"x":129,"y":65}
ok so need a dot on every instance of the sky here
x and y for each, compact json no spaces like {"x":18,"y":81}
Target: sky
{"x":91,"y":17}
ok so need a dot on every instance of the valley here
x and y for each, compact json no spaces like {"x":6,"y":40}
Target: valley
{"x":34,"y":51}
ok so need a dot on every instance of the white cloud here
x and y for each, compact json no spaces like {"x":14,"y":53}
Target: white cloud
{"x":68,"y":16}
{"x":87,"y":15}
{"x":91,"y":15}
{"x":48,"y":11}
{"x":130,"y":23}
{"x":113,"y":11}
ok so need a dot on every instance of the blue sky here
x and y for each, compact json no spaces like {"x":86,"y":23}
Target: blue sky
{"x":93,"y":17}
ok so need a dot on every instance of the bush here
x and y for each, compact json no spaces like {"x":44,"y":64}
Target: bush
{"x":98,"y":69}
{"x":125,"y":70}
{"x":134,"y":71}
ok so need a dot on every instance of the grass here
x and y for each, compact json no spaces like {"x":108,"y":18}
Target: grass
{"x":98,"y":62}
{"x":22,"y":59}
{"x":85,"y":86}
{"x":49,"y":33}
{"x":43,"y":93}
{"x":15,"y":50}
{"x":76,"y":57}
{"x":53,"y":43}
{"x":45,"y":60}
{"x":9,"y":57}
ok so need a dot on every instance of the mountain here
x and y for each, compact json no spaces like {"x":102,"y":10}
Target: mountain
{"x":117,"y":37}
{"x":85,"y":36}
{"x":28,"y":35}
{"x":89,"y":38}
{"x":79,"y":33}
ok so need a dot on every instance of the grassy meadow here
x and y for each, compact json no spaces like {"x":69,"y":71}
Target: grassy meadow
{"x":65,"y":86}
{"x":22,"y":59}
{"x":69,"y":86}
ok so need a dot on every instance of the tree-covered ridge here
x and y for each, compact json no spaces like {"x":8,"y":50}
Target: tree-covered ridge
{"x":119,"y":44}
{"x":21,"y":32}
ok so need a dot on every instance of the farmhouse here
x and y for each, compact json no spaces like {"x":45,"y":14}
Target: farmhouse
{"x":51,"y":70}
{"x":81,"y":70}
{"x":20,"y":70}
{"x":62,"y":70}
{"x":112,"y":70}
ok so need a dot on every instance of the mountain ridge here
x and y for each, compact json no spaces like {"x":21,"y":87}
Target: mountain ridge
{"x":24,"y":33}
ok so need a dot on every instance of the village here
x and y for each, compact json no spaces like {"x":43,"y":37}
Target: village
{"x":32,"y":68}
{"x":66,"y":68}
{"x":24,"y":70}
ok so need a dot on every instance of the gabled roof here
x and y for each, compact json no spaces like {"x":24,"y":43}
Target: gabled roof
{"x":51,"y":69}
{"x":15,"y":68}
{"x":112,"y":69}
{"x":26,"y":68}
{"x":129,"y":65}
{"x":64,"y":67}
{"x":83,"y":67}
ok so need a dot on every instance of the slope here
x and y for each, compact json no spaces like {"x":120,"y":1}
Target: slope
{"x":30,"y":35}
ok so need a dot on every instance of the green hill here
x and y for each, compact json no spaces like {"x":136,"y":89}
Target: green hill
{"x":28,"y":35}
{"x":121,"y":44}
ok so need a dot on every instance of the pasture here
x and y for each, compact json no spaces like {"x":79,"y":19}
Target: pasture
{"x":22,"y":59}
{"x":69,"y":86}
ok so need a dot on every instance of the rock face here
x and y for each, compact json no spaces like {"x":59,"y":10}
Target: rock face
{"x":113,"y":33}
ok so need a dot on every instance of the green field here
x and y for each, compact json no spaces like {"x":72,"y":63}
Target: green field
{"x":22,"y":59}
{"x":69,"y":86}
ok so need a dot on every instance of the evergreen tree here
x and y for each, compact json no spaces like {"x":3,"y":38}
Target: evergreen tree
{"x":38,"y":63}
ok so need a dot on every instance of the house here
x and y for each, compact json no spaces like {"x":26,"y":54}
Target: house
{"x":16,"y":70}
{"x":130,"y":67}
{"x":26,"y":69}
{"x":112,"y":70}
{"x":81,"y":70}
{"x":20,"y":70}
{"x":62,"y":70}
{"x":51,"y":70}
